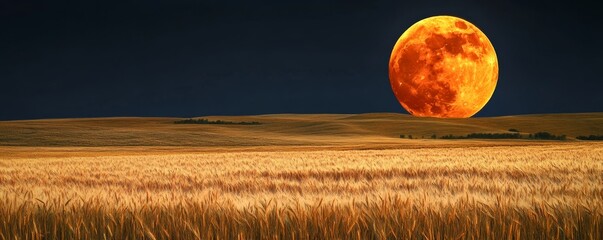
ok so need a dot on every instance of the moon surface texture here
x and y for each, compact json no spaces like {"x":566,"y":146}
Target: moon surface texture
{"x":443,"y":66}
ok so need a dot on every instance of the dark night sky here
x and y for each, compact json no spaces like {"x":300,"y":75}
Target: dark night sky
{"x":153,"y":58}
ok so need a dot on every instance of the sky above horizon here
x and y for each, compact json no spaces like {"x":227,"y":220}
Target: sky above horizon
{"x":65,"y":59}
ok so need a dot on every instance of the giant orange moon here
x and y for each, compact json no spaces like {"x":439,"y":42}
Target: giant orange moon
{"x":443,"y":66}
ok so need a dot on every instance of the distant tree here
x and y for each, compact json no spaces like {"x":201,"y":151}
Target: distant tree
{"x":591,"y":137}
{"x":434,"y":136}
{"x":548,"y":136}
{"x":516,"y":135}
{"x":494,"y":135}
{"x":402,"y":136}
{"x":450,"y":136}
{"x":206,"y":121}
{"x":513,"y":130}
{"x":410,"y":136}
{"x":542,"y":135}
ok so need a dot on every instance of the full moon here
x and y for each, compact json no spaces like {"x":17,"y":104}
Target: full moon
{"x":443,"y":66}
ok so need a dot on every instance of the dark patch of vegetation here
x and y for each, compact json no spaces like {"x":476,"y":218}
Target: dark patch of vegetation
{"x":206,"y":121}
{"x":450,"y":136}
{"x":538,"y":136}
{"x":546,"y":136}
{"x":485,"y":136}
{"x":591,"y":137}
{"x":513,"y":130}
{"x":494,"y":135}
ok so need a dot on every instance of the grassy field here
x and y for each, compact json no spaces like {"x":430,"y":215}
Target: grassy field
{"x":375,"y":129}
{"x":366,"y":186}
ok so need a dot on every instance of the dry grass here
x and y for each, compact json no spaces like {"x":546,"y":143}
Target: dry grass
{"x":520,"y":192}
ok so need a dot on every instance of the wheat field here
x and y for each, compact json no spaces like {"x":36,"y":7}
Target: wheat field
{"x":550,"y":191}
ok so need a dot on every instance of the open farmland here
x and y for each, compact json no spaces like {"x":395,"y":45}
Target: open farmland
{"x":300,"y":177}
{"x":371,"y":130}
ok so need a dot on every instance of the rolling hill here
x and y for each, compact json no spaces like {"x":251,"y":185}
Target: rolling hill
{"x":282,"y":130}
